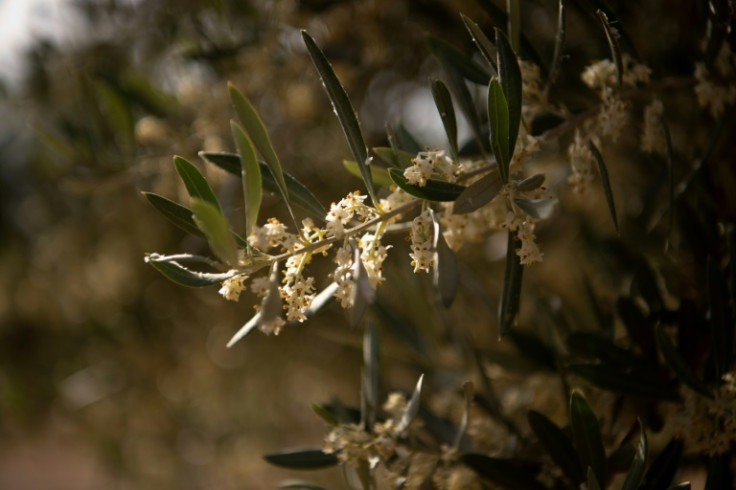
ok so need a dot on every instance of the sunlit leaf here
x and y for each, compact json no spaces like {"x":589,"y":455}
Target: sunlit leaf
{"x":394,"y":157}
{"x":435,"y":190}
{"x":446,"y":277}
{"x":412,"y":408}
{"x":509,"y":75}
{"x":363,"y":293}
{"x":251,"y":176}
{"x":586,"y":434}
{"x":179,"y":274}
{"x":605,"y":181}
{"x":443,"y":101}
{"x":321,"y":299}
{"x":325,"y":414}
{"x":557,"y":445}
{"x":213,"y":224}
{"x":612,"y":38}
{"x":498,"y":119}
{"x":379,"y":175}
{"x":478,"y":194}
{"x":559,"y":44}
{"x":196,"y":184}
{"x":176,"y":213}
{"x":511,"y":292}
{"x":302,"y":459}
{"x":343,"y":109}
{"x":531,"y":183}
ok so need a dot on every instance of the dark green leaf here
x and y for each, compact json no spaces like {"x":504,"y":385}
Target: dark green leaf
{"x":613,"y":379}
{"x":509,"y":75}
{"x":451,"y":57}
{"x":612,"y":38}
{"x":534,"y":349}
{"x":721,"y":326}
{"x":663,"y":468}
{"x":176,"y":213}
{"x":446,"y":278}
{"x":259,"y":136}
{"x":586,"y":434}
{"x":302,"y":486}
{"x":407,"y":141}
{"x":211,"y":221}
{"x":395,"y":158}
{"x":594,"y":346}
{"x":511,"y":293}
{"x":619,"y":461}
{"x":298,"y":193}
{"x":443,"y":101}
{"x":502,"y":472}
{"x":592,"y":481}
{"x":181,"y":275}
{"x":498,"y":120}
{"x":325,"y":414}
{"x":412,"y":408}
{"x":604,"y":180}
{"x":251,"y":177}
{"x":538,"y":208}
{"x":639,"y":327}
{"x":478,"y":194}
{"x":379,"y":175}
{"x":557,"y":445}
{"x":196,"y":184}
{"x":636,"y":473}
{"x":481,"y":40}
{"x":531,"y":183}
{"x":435,"y":190}
{"x":302,"y":459}
{"x":343,"y":109}
{"x":670,"y":183}
{"x":680,"y":367}
{"x":681,"y":486}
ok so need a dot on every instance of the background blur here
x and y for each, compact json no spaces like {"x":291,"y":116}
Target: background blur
{"x":113,"y":377}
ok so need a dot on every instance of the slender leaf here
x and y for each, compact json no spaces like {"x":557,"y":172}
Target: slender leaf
{"x":511,"y":293}
{"x":484,"y":45}
{"x":407,"y":141}
{"x":680,"y":486}
{"x":302,"y":459}
{"x":586,"y":434}
{"x":509,"y":75}
{"x":363,"y":293}
{"x":612,"y":38}
{"x":538,"y":208}
{"x":302,"y":486}
{"x":176,"y":213}
{"x":443,"y":101}
{"x":325,"y":415}
{"x":605,"y":181}
{"x":663,"y":468}
{"x":591,"y":345}
{"x":534,"y":349}
{"x":446,"y":277}
{"x":298,"y":193}
{"x":321,"y":299}
{"x":721,"y":326}
{"x":468,"y":395}
{"x":394,"y":157}
{"x":258,"y":135}
{"x":196,"y":184}
{"x":343,"y":109}
{"x":181,"y":275}
{"x":613,"y":379}
{"x":498,"y":120}
{"x":680,"y":367}
{"x":557,"y":445}
{"x":211,"y":221}
{"x":372,"y":373}
{"x":502,"y":472}
{"x":251,"y":177}
{"x":670,"y":183}
{"x":412,"y":408}
{"x":450,"y":56}
{"x":531,"y":183}
{"x":435,"y":190}
{"x":636,"y":473}
{"x":592,"y":481}
{"x":478,"y":194}
{"x":559,"y":44}
{"x":379,"y":175}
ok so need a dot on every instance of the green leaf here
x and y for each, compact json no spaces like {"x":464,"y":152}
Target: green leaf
{"x":509,"y":75}
{"x":258,"y":135}
{"x":538,"y":208}
{"x":395,"y":158}
{"x":592,"y":481}
{"x":663,"y":468}
{"x":181,"y":275}
{"x":196,"y":184}
{"x":412,"y":408}
{"x":451,"y":57}
{"x":481,"y":40}
{"x":531,"y":183}
{"x":605,"y":181}
{"x":591,"y":345}
{"x":498,"y":120}
{"x":557,"y":445}
{"x":478,"y":194}
{"x":363,"y":293}
{"x":302,"y":459}
{"x":586,"y":434}
{"x":613,"y":379}
{"x":211,"y":221}
{"x":612,"y":38}
{"x":501,"y":472}
{"x":670,"y":182}
{"x":343,"y":109}
{"x":446,"y":277}
{"x":325,"y":415}
{"x":680,"y":367}
{"x":534,"y":349}
{"x":176,"y":213}
{"x":251,"y":176}
{"x":511,"y":292}
{"x":379,"y":175}
{"x":443,"y":101}
{"x":298,"y":193}
{"x":636,"y":473}
{"x":721,"y":326}
{"x":435,"y":190}
{"x":302,"y":486}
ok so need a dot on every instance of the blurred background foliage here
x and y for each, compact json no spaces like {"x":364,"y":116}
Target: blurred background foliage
{"x":112,"y":377}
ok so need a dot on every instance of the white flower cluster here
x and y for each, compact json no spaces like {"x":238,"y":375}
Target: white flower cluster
{"x":232,"y":287}
{"x":652,"y":137}
{"x":349,"y":208}
{"x":717,"y":90}
{"x":582,"y":163}
{"x":422,"y":238}
{"x":430,"y":164}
